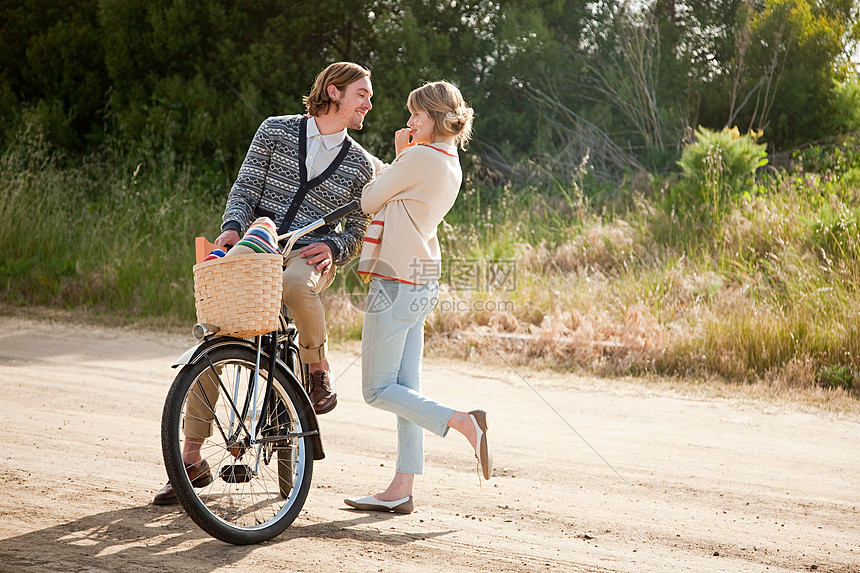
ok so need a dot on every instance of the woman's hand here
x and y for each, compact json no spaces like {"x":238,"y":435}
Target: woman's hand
{"x":402,"y":139}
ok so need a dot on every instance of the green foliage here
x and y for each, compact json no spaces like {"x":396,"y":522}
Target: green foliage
{"x":813,"y":39}
{"x":53,"y":65}
{"x":111,"y":233}
{"x":829,"y":160}
{"x":718,"y":168}
{"x":787,"y":62}
{"x":547,"y":78}
{"x":835,"y":377}
{"x":199,"y":77}
{"x":847,"y":104}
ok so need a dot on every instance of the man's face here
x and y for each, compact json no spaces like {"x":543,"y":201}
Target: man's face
{"x":353,"y":103}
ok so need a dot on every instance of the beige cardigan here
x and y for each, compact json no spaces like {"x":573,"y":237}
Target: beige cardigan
{"x":410,"y":198}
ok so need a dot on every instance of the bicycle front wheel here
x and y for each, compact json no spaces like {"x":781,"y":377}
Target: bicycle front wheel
{"x":258,"y":454}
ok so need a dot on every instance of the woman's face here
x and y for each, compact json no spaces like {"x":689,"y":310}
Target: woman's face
{"x":421,"y":125}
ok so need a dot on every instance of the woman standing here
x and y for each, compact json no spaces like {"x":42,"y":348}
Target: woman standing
{"x":400,"y":257}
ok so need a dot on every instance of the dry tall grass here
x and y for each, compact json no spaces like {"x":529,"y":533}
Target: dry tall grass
{"x":765,"y":297}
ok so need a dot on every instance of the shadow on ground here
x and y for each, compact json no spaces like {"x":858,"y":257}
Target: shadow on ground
{"x":148,"y":538}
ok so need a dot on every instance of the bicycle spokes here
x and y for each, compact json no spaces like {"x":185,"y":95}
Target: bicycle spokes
{"x":258,"y":450}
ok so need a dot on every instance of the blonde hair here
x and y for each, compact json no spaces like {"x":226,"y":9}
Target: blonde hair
{"x":445,"y":105}
{"x":339,"y":75}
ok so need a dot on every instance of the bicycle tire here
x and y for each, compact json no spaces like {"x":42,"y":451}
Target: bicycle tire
{"x":285,"y":461}
{"x":248,"y":500}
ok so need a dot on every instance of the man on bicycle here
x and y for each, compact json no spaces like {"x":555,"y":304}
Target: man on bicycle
{"x":298,"y":168}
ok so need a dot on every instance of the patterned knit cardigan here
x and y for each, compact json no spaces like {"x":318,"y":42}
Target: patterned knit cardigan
{"x":274,"y":175}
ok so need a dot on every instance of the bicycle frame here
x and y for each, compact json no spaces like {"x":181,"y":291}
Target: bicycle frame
{"x":280,"y":344}
{"x":201,"y":351}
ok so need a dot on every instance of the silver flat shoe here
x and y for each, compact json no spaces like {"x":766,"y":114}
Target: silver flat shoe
{"x":370,"y":503}
{"x":483,"y":450}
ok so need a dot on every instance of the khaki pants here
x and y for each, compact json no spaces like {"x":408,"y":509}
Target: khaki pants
{"x":302,"y":285}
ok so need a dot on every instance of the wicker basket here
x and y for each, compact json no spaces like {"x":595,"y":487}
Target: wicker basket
{"x":240,"y":294}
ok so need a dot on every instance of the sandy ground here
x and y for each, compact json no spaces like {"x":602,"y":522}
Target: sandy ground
{"x":702,"y":484}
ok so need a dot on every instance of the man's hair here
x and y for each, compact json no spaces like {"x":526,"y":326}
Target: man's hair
{"x":339,"y":75}
{"x":445,"y":105}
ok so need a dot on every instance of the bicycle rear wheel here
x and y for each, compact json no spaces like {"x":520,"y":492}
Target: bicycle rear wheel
{"x":286,"y":471}
{"x":261,"y":462}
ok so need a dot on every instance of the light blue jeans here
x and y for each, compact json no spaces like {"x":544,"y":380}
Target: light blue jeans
{"x":392,"y":342}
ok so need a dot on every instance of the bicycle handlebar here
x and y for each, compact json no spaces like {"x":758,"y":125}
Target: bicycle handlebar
{"x":341,"y":212}
{"x":328,"y":219}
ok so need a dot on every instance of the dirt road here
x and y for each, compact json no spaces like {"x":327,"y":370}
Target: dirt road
{"x":702,"y":484}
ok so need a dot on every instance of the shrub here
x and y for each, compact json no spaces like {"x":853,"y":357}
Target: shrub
{"x":831,"y":160}
{"x":717,"y":168}
{"x":835,"y":377}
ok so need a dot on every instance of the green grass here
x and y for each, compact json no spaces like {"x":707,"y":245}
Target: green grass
{"x":113,"y":236}
{"x":628,"y":282}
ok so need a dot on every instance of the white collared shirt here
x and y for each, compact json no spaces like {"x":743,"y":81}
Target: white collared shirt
{"x":321,"y":149}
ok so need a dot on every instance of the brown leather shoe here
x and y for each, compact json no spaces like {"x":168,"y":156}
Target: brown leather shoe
{"x":323,"y":395}
{"x":199,"y":475}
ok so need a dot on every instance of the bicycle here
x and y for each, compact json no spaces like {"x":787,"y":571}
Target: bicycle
{"x":264,"y":436}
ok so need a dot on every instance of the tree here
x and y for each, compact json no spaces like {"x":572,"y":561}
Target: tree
{"x":789,"y":58}
{"x":53,"y":68}
{"x":196,"y":78}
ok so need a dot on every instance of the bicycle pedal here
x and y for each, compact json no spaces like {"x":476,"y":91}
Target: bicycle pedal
{"x":236,"y":473}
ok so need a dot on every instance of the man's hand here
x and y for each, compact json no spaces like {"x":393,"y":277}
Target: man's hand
{"x":228,"y":238}
{"x":318,"y":254}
